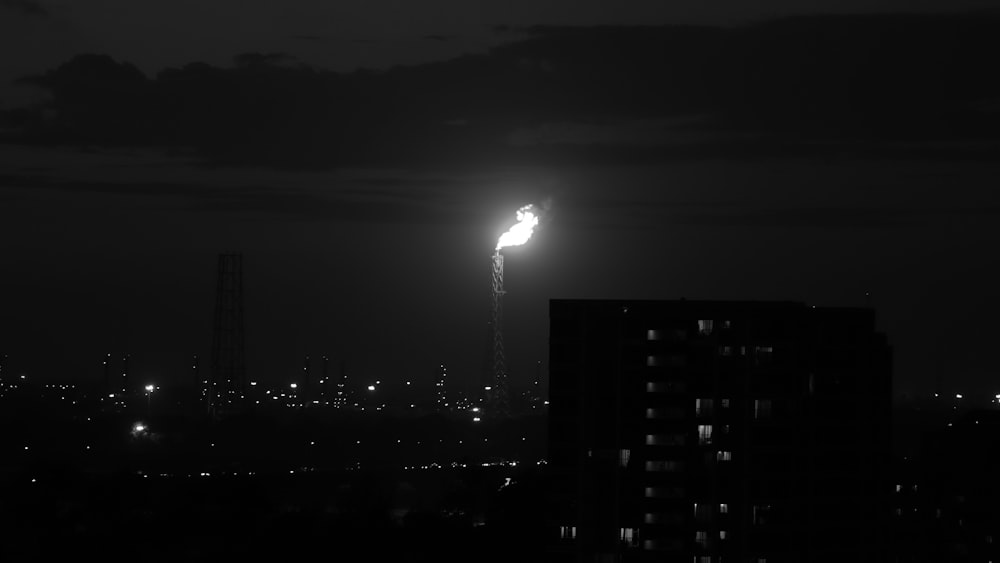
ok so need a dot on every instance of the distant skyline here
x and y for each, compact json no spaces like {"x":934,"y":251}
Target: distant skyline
{"x":834,"y":160}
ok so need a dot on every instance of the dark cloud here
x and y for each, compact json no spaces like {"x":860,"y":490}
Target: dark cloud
{"x":799,"y":86}
{"x":25,"y":7}
{"x":261,"y":59}
{"x":437,"y":37}
{"x":363,"y":204}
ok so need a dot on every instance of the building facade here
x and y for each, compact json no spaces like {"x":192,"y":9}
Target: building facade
{"x":710,"y":431}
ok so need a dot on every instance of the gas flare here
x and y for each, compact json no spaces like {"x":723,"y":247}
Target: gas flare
{"x":521,"y":231}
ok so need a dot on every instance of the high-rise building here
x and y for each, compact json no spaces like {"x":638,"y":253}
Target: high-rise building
{"x":440,"y":389}
{"x":713,"y":432}
{"x":342,"y":399}
{"x":228,"y":375}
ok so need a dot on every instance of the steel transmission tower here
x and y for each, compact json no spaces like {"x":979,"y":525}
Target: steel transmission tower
{"x":228,"y":383}
{"x":498,"y":397}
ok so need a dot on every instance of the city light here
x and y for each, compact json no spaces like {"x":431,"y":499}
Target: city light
{"x":371,"y":387}
{"x":150,"y":388}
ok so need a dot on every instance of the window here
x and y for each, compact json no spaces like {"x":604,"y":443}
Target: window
{"x":722,"y":534}
{"x":653,"y":335}
{"x":653,"y":361}
{"x":623,"y":457}
{"x":725,"y":403}
{"x":761,"y":408}
{"x":704,"y":434}
{"x":702,"y":511}
{"x":664,"y":439}
{"x":899,"y":488}
{"x":701,"y":538}
{"x":629,"y":536}
{"x":675,"y":413}
{"x":702,"y":559}
{"x":760,"y":514}
{"x":567,"y":532}
{"x":725,"y":350}
{"x":723,"y":508}
{"x":763,"y":354}
{"x":661,"y":518}
{"x":664,"y":492}
{"x":663,"y":465}
{"x":722,"y":455}
{"x":705,"y":327}
{"x":662,"y":545}
{"x":703,"y":407}
{"x":664,"y":386}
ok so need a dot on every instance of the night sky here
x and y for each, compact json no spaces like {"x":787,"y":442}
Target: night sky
{"x":364,"y":156}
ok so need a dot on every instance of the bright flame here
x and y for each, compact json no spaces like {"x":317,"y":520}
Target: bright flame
{"x":521,"y":231}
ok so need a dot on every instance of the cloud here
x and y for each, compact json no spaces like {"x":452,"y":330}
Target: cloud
{"x":25,"y":7}
{"x":397,"y":200}
{"x":796,"y":86}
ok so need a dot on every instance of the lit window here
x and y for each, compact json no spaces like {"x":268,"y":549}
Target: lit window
{"x":722,"y":534}
{"x":722,"y":455}
{"x":761,"y":408}
{"x":657,"y":387}
{"x":664,"y":439}
{"x":899,"y":488}
{"x":723,"y":508}
{"x":725,"y":350}
{"x":701,"y":538}
{"x":664,"y":492}
{"x":763,"y":354}
{"x":725,"y":403}
{"x":623,"y":457}
{"x":653,"y":335}
{"x":629,"y":536}
{"x":567,"y":532}
{"x":705,"y":327}
{"x":702,"y":559}
{"x":704,"y":434}
{"x":662,"y":465}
